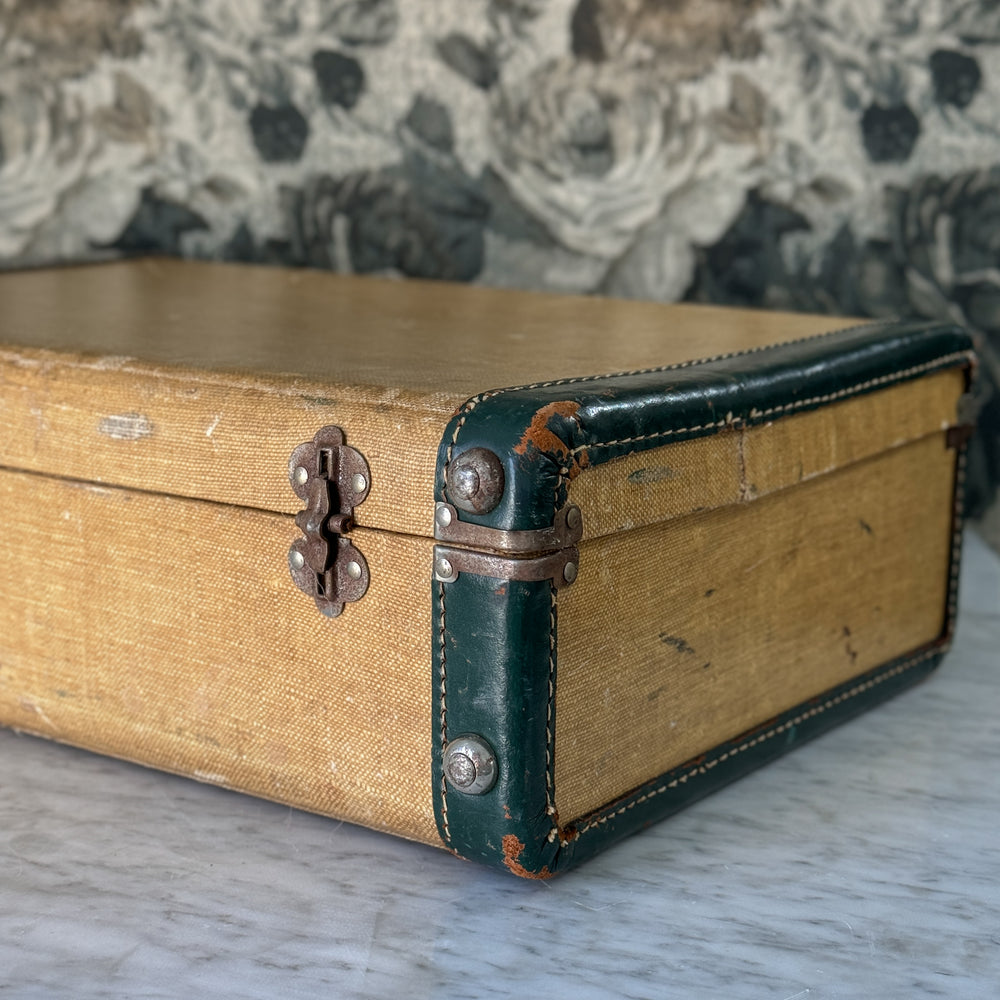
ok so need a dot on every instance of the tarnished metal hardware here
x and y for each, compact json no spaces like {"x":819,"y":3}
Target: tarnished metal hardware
{"x":560,"y":567}
{"x":332,"y":479}
{"x":538,"y":554}
{"x":475,"y":481}
{"x":470,"y":765}
{"x":566,"y":529}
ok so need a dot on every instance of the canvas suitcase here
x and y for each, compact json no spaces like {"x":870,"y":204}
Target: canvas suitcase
{"x":507,"y":573}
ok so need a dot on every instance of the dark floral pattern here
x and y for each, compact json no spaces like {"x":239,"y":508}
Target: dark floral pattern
{"x":839,"y":156}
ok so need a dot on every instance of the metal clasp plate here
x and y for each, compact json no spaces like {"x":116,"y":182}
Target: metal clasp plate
{"x":332,"y":479}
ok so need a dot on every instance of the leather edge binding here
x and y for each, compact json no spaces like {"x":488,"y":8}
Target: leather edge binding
{"x":673,"y":790}
{"x":546,"y":435}
{"x":527,"y":838}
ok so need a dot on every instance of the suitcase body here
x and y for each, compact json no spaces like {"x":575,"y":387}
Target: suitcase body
{"x":506,"y":573}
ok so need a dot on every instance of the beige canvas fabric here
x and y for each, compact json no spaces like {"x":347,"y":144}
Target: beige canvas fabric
{"x":147,"y":412}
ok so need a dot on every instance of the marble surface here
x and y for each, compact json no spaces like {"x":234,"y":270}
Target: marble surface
{"x":866,"y":864}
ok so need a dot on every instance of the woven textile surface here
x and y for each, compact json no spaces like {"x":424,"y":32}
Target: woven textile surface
{"x":837,"y":156}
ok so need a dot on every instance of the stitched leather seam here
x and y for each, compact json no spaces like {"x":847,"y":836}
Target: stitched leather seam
{"x":956,"y":538}
{"x":443,"y":716}
{"x":470,"y":405}
{"x":798,"y":404}
{"x":701,"y":361}
{"x":476,"y":400}
{"x":704,"y":768}
{"x":550,"y":807}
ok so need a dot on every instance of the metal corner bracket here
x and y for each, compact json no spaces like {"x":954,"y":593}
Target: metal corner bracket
{"x":566,"y":529}
{"x":560,"y":567}
{"x":549,"y":553}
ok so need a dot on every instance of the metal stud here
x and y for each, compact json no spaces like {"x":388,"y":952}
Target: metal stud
{"x":442,"y":515}
{"x":573,"y":518}
{"x":470,"y":765}
{"x":296,"y":559}
{"x":358,"y":483}
{"x":354,"y":570}
{"x":443,"y":569}
{"x":301,"y":475}
{"x":570,"y":571}
{"x":475,"y":481}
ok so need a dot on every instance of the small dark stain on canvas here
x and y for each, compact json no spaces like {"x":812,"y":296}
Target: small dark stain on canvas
{"x":851,"y":651}
{"x":681,"y":645}
{"x":865,"y":526}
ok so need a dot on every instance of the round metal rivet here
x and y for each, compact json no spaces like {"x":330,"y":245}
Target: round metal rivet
{"x":301,"y":475}
{"x":359,"y":483}
{"x":470,"y":766}
{"x":569,"y":572}
{"x":297,"y":559}
{"x":442,"y":515}
{"x":444,"y":568}
{"x":354,"y":570}
{"x":475,"y":481}
{"x":465,"y":482}
{"x":461,"y":770}
{"x":573,"y":518}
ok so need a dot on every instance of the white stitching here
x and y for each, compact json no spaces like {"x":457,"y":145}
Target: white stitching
{"x":956,"y":541}
{"x":550,"y":807}
{"x":787,"y":407}
{"x":700,"y":361}
{"x":471,"y":404}
{"x":952,"y":611}
{"x":749,"y":744}
{"x":444,"y":719}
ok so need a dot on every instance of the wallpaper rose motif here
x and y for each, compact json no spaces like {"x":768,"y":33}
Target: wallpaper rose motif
{"x":833,"y":155}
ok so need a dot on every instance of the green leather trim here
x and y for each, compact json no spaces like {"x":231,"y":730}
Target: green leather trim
{"x":494,"y":658}
{"x":679,"y":787}
{"x":495,"y":640}
{"x":672,"y":791}
{"x":546,"y":433}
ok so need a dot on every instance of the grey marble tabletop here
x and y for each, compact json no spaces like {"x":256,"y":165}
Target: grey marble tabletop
{"x":866,"y":864}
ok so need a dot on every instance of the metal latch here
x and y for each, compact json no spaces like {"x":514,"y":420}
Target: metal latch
{"x":332,"y":479}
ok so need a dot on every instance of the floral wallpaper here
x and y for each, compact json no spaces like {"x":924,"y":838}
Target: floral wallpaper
{"x":824,"y":155}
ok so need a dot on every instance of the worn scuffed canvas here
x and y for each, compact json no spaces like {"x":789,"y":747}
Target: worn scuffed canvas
{"x":592,"y":560}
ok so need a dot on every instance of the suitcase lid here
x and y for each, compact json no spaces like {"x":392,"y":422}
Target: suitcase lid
{"x":199,"y":379}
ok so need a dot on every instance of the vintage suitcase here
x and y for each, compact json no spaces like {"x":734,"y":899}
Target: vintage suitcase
{"x":553,"y":576}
